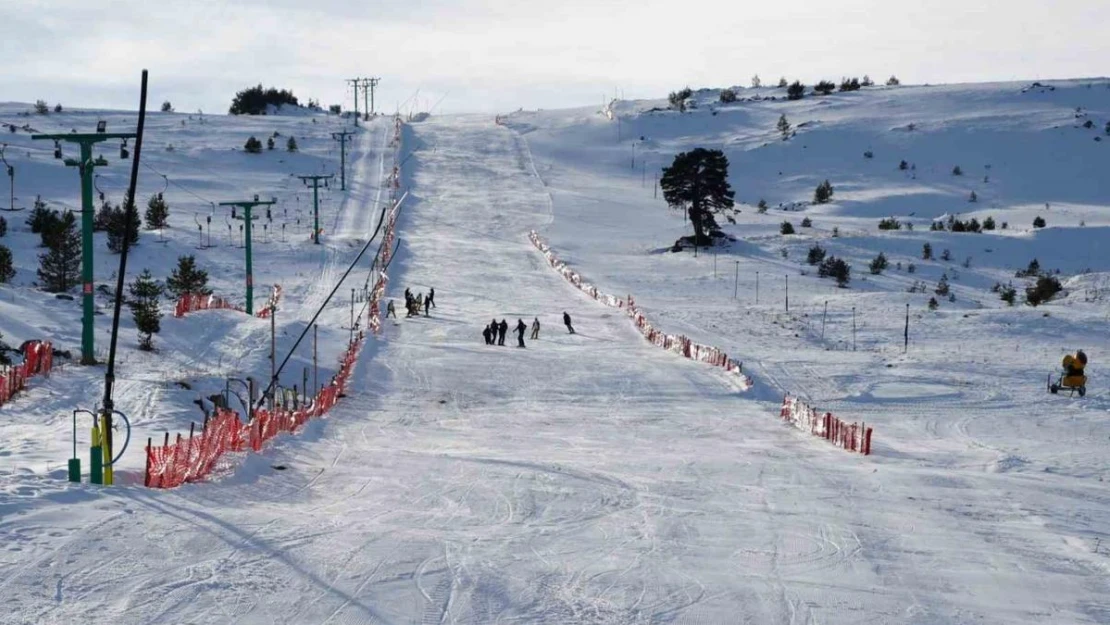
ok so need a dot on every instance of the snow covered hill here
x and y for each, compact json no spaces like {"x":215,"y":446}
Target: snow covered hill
{"x":591,"y":478}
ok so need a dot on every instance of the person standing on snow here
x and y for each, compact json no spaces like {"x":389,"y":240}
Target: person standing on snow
{"x":502,"y":328}
{"x":520,"y":328}
{"x":390,"y":311}
{"x":431,"y":298}
{"x":566,"y":322}
{"x":486,"y":335}
{"x":536,"y":329}
{"x":427,"y":303}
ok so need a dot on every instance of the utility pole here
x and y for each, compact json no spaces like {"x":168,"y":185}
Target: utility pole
{"x":247,"y":206}
{"x":373,"y":83}
{"x":85,"y":166}
{"x":341,"y":137}
{"x":355,"y":83}
{"x":316,"y":201}
{"x":736,"y":282}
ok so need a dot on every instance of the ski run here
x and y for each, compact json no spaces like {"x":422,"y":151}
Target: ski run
{"x":593,"y":477}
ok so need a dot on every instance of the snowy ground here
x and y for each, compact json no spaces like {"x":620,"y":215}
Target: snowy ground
{"x":593,"y":478}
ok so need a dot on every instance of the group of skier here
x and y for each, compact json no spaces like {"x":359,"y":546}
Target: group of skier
{"x":413,"y":304}
{"x":494,"y":333}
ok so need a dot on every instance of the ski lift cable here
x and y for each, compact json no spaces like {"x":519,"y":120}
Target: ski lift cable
{"x":324,"y":305}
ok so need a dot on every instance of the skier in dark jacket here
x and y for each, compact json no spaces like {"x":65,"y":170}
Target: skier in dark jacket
{"x":431,"y":298}
{"x":536,"y":329}
{"x":427,"y":304}
{"x":566,"y":321}
{"x":493,"y":332}
{"x":520,"y":328}
{"x":486,"y":335}
{"x":502,"y":328}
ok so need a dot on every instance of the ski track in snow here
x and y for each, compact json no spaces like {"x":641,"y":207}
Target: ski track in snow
{"x":588,"y":478}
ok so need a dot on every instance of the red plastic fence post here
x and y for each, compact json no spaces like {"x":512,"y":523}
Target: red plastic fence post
{"x":867,"y":442}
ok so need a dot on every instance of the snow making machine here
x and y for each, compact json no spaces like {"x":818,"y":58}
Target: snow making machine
{"x":1073,"y":378}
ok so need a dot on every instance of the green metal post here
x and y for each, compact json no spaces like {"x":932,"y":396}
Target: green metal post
{"x":247,"y":219}
{"x":250,"y":265}
{"x":88,"y":304}
{"x":85,"y":166}
{"x":315,"y":180}
{"x":316,"y":214}
{"x":341,"y":137}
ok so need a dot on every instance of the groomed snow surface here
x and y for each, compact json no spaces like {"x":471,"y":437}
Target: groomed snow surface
{"x":592,"y":478}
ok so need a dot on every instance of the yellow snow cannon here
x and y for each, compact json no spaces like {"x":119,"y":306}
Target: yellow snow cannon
{"x":1073,"y":378}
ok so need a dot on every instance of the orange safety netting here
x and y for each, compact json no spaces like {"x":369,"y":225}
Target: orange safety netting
{"x":676,"y":343}
{"x":38,"y":359}
{"x":850,"y":436}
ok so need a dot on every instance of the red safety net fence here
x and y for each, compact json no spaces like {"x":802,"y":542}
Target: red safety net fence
{"x":675,"y":343}
{"x":850,"y":436}
{"x":38,"y":359}
{"x":189,"y":303}
{"x":193,"y":458}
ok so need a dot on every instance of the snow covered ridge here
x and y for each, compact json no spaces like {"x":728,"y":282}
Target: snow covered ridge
{"x":677,"y":344}
{"x":850,"y":436}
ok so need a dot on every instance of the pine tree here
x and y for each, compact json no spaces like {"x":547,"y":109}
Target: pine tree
{"x":7,"y":271}
{"x":823,"y":193}
{"x":269,"y":143}
{"x":783,"y":126}
{"x":782,"y":85}
{"x":796,"y":91}
{"x":291,"y":144}
{"x":988,"y":223}
{"x":145,"y":293}
{"x":60,"y":266}
{"x":3,"y":227}
{"x":878,"y":264}
{"x":756,"y":82}
{"x":807,"y":222}
{"x":786,"y":228}
{"x":52,"y":226}
{"x":124,"y":222}
{"x":103,"y":217}
{"x":186,"y":278}
{"x":1038,"y":222}
{"x":167,"y":107}
{"x":816,"y":254}
{"x":157,"y":212}
{"x":728,"y":96}
{"x":253,"y":146}
{"x":926,"y":252}
{"x":697,"y":182}
{"x":824,"y":87}
{"x":942,"y":285}
{"x":866,"y":82}
{"x":893,"y":81}
{"x":38,"y":216}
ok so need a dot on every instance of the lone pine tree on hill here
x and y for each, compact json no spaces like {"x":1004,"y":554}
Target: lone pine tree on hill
{"x":60,"y":265}
{"x":186,"y":278}
{"x":697,"y":182}
{"x":145,"y":291}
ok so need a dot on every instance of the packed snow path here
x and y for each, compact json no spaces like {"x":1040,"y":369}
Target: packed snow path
{"x":586,"y":479}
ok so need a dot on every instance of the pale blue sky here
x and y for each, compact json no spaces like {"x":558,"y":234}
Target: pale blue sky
{"x":500,"y":55}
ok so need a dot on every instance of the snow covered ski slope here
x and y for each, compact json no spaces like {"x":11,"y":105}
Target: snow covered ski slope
{"x":592,"y":478}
